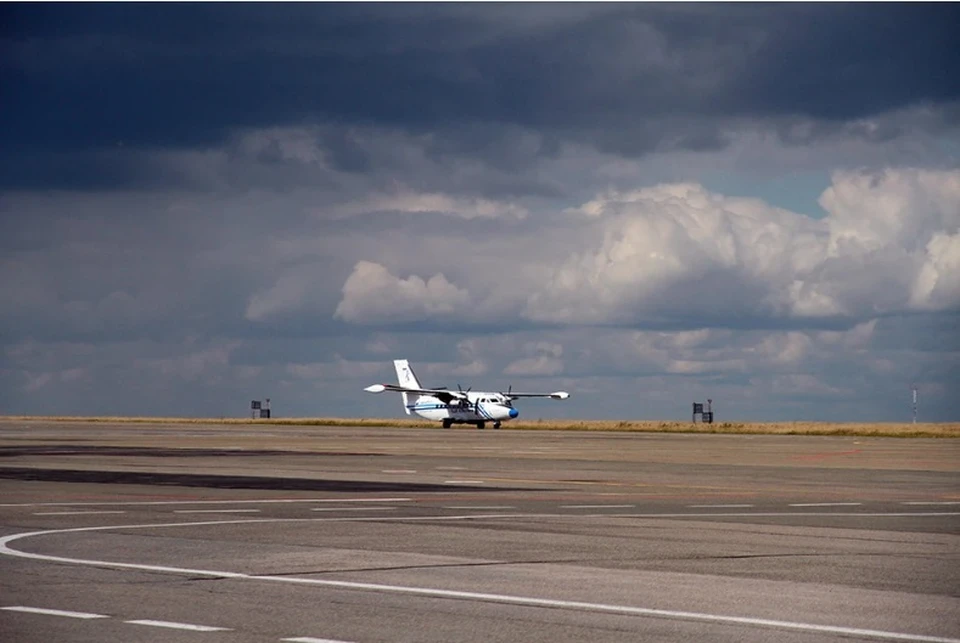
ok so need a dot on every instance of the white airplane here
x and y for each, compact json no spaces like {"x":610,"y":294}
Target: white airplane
{"x":455,"y":407}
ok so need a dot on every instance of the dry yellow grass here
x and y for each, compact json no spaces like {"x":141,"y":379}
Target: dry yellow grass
{"x":879,"y":429}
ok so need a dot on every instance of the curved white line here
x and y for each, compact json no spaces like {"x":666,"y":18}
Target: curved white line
{"x":179,"y":626}
{"x":50,"y":612}
{"x":5,"y":549}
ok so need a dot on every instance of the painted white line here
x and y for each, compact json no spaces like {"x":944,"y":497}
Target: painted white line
{"x":353,"y":509}
{"x":487,"y":508}
{"x":805,"y":514}
{"x":450,"y":468}
{"x":365,"y":500}
{"x":40,"y":610}
{"x":463,"y":482}
{"x":628,"y":610}
{"x":76,"y":513}
{"x":180,"y":626}
{"x":216,"y":511}
{"x":931,"y":503}
{"x":198,"y":502}
{"x":386,"y":471}
{"x":719,"y":506}
{"x":597,"y":506}
{"x":307,"y":639}
{"x":826,"y":504}
{"x":452,"y":594}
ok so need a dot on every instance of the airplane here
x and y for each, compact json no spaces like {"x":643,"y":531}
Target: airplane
{"x":455,"y":407}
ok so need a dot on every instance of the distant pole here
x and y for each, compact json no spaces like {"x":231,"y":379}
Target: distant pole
{"x":914,"y":388}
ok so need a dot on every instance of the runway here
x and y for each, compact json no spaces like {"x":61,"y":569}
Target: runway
{"x":355,"y":535}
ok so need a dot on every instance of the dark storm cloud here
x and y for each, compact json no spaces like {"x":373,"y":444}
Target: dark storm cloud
{"x":203,"y":203}
{"x":628,"y":78}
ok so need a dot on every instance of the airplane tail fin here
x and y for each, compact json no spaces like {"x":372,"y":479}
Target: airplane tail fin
{"x":406,"y":377}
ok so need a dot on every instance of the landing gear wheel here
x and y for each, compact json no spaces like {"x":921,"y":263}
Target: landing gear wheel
{"x":447,"y":424}
{"x":480,"y":425}
{"x":496,"y":425}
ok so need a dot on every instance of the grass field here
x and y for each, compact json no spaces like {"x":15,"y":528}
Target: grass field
{"x":878,"y":429}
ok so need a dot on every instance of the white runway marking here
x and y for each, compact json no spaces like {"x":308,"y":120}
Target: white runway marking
{"x":197,"y":502}
{"x":450,"y":468}
{"x":40,"y":610}
{"x":480,"y":508}
{"x":216,"y":511}
{"x":390,"y":471}
{"x":597,"y":506}
{"x":365,"y":500}
{"x":307,"y":639}
{"x":353,"y":509}
{"x":719,"y":506}
{"x":932,"y":503}
{"x":75,"y":513}
{"x":826,"y":504}
{"x":452,"y":594}
{"x":180,"y":626}
{"x":806,"y":514}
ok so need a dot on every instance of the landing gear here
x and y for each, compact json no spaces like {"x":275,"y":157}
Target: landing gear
{"x":481,"y":425}
{"x":496,"y":425}
{"x":447,"y":423}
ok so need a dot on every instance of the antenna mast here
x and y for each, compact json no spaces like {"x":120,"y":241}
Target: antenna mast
{"x":914,"y":389}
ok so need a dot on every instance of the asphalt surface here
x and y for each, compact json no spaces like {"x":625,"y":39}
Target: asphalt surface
{"x":266,"y":533}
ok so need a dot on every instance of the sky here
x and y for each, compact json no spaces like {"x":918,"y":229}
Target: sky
{"x":645,"y":205}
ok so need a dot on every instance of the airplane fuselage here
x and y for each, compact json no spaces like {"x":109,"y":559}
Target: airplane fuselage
{"x":478,"y":408}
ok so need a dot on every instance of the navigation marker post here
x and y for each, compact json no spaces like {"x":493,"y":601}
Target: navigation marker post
{"x":914,"y":389}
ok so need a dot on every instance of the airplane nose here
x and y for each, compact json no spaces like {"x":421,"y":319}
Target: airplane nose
{"x":514,"y":413}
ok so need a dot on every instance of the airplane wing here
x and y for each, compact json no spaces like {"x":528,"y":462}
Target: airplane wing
{"x":556,"y":395}
{"x":443,"y":395}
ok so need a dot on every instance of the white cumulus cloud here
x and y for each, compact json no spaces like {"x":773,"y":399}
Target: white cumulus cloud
{"x":372,"y":294}
{"x":888,"y":244}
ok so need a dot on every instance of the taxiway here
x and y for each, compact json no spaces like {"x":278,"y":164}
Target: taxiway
{"x":266,"y":533}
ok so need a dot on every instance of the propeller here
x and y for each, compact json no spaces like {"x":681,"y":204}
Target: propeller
{"x":464,"y":400}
